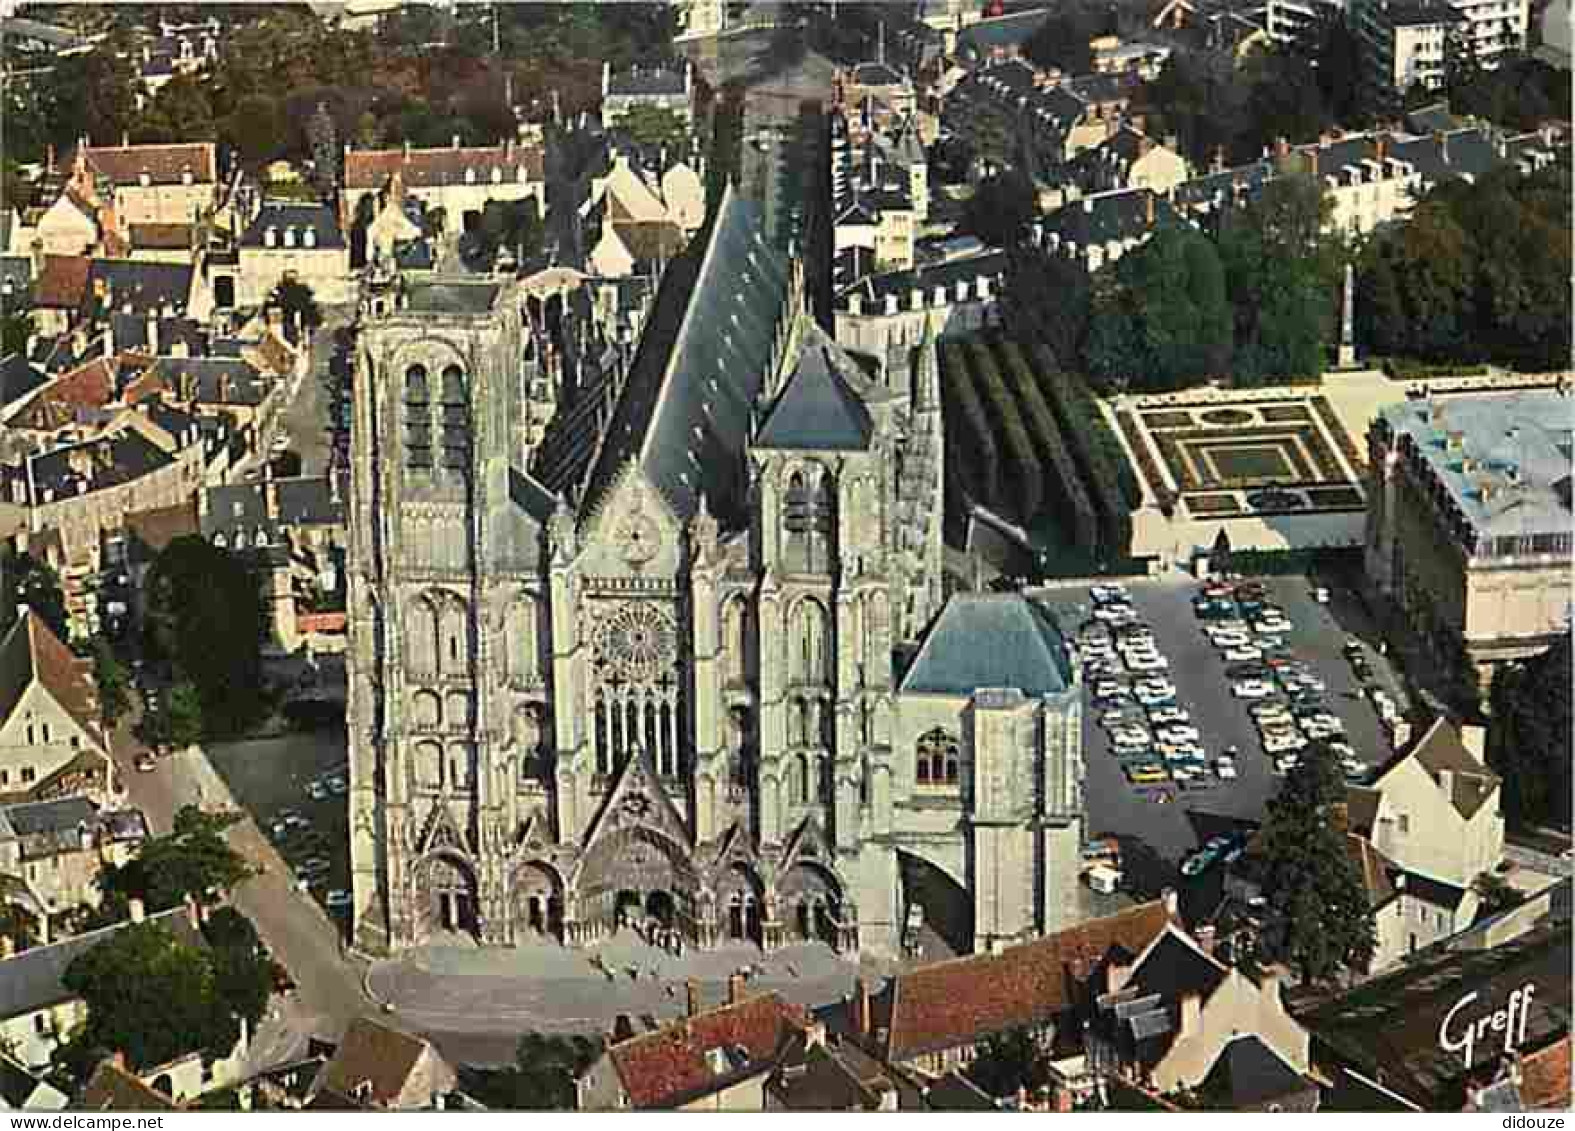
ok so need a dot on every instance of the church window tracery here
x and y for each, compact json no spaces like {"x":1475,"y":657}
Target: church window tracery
{"x":936,"y":760}
{"x":808,"y":644}
{"x":454,"y":412}
{"x":418,"y":421}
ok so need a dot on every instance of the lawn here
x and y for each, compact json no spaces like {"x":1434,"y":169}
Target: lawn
{"x":1232,"y":462}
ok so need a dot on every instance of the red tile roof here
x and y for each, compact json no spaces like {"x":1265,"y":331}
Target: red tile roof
{"x":371,"y":168}
{"x":62,"y":282}
{"x":168,"y":237}
{"x":87,"y":386}
{"x":1545,"y":1081}
{"x":164,"y":164}
{"x":668,"y":1067}
{"x":959,"y":1002}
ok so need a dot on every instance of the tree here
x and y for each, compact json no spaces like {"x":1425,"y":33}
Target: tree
{"x":242,"y":967}
{"x":295,"y":298}
{"x":1001,"y":208}
{"x":1047,"y":299}
{"x":149,"y":996}
{"x":15,"y":330}
{"x":1282,"y":274}
{"x":180,"y":111}
{"x":192,"y":861}
{"x":509,"y":225}
{"x":113,"y":681}
{"x":324,"y":141}
{"x":254,"y":129}
{"x":182,"y":717}
{"x":655,"y":127}
{"x":1162,"y":320}
{"x":204,"y":614}
{"x":1009,"y":1061}
{"x":1219,"y":556}
{"x":1316,"y":898}
{"x":24,"y":580}
{"x":1062,"y":41}
{"x":542,"y":1076}
{"x":1529,"y":742}
{"x":90,"y":95}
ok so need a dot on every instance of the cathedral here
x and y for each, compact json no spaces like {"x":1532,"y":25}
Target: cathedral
{"x":669,"y":642}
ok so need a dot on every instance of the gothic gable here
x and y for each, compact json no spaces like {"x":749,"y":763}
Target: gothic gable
{"x":442,"y":831}
{"x":633,"y":532}
{"x":637,"y":799}
{"x":809,"y":842}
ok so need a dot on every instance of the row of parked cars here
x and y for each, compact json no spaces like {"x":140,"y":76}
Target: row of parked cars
{"x":1150,"y":733}
{"x":1286,"y":696}
{"x":308,"y":848}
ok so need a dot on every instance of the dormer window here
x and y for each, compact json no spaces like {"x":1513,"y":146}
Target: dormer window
{"x":289,"y":237}
{"x":497,"y":175}
{"x":270,"y":237}
{"x":144,"y":178}
{"x":186,"y":177}
{"x":470,"y":176}
{"x":308,"y":237}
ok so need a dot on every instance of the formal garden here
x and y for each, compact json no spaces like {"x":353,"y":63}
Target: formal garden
{"x":1226,"y":459}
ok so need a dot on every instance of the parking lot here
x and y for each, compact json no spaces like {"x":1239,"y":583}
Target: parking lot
{"x":287,"y":785}
{"x":1156,"y":836}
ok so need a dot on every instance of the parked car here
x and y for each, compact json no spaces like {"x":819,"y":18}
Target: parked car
{"x":1147,"y":662}
{"x":1169,"y":714}
{"x":317,"y":791}
{"x":1251,"y":689}
{"x":146,"y":763}
{"x":337,"y":900}
{"x":1225,"y":768}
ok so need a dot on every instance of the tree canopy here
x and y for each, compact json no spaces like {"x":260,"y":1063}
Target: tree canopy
{"x":1161,"y":321}
{"x":542,"y":1076}
{"x":295,"y":298}
{"x":193,"y":860}
{"x":1529,"y":741}
{"x":1009,"y":1061}
{"x":1001,"y":209}
{"x":24,"y":580}
{"x":655,"y":127}
{"x":1321,"y":919}
{"x":205,"y":615}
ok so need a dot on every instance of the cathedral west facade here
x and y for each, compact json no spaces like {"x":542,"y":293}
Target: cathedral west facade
{"x":677,"y":647}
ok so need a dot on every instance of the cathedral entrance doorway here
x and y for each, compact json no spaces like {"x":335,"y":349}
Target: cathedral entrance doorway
{"x":659,"y":906}
{"x":815,"y":897}
{"x":446,"y":896}
{"x":628,"y":909}
{"x":538,"y":901}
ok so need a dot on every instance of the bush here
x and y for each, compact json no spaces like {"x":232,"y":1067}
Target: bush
{"x":1053,"y":451}
{"x":1028,"y":476}
{"x":976,"y":462}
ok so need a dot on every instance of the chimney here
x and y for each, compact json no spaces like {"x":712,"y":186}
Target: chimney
{"x":193,"y":913}
{"x":1062,"y":1099}
{"x":456,"y":141}
{"x":7,"y":946}
{"x":139,"y":912}
{"x":1172,"y":903}
{"x":735,"y":989}
{"x":1149,"y":208}
{"x":863,"y":1017}
{"x":108,"y":341}
{"x":1474,"y":739}
{"x":888,"y":1098}
{"x":1282,"y":147}
{"x":1191,"y":1015}
{"x":1446,"y":782}
{"x":691,"y":997}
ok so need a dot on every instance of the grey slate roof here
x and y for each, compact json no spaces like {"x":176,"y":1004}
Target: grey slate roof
{"x":309,"y":501}
{"x":145,"y":285}
{"x":15,"y":269}
{"x":1250,"y":1073}
{"x":215,"y":380}
{"x":646,"y":81}
{"x":926,"y":277}
{"x":119,"y":459}
{"x":1173,"y":969}
{"x":1111,"y":217}
{"x":18,"y":377}
{"x":990,"y":640}
{"x":296,"y":214}
{"x":33,"y":818}
{"x":452,"y":297}
{"x":1529,"y":431}
{"x":530,"y":496}
{"x":684,"y":414}
{"x":1003,"y":31}
{"x":32,"y":980}
{"x":817,"y":409}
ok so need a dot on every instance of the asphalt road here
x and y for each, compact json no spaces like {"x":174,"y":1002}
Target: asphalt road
{"x":292,"y":925}
{"x":1156,"y":837}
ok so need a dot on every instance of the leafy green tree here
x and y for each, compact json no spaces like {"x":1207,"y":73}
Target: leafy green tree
{"x":1046,"y":299}
{"x":1009,"y":1061}
{"x":323,"y":138}
{"x":295,"y":298}
{"x":542,"y":1076}
{"x":1529,"y":742}
{"x":113,"y":681}
{"x":241,"y":964}
{"x":254,"y":129}
{"x":512,"y":225}
{"x":205,"y":615}
{"x":1316,"y":898}
{"x":656,"y":127}
{"x":1001,"y":209}
{"x":1282,"y":273}
{"x":193,"y":860}
{"x":1163,"y":320}
{"x":1063,"y":39}
{"x":90,"y":95}
{"x":182,"y":719}
{"x":150,"y":996}
{"x":1433,"y":255}
{"x":180,"y":111}
{"x":15,"y":330}
{"x":24,"y":580}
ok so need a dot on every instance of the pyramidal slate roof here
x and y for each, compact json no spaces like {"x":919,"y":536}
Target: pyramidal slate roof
{"x":683,"y":416}
{"x":997,"y":640}
{"x":817,"y":409}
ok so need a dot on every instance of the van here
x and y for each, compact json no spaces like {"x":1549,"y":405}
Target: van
{"x":1103,"y":880}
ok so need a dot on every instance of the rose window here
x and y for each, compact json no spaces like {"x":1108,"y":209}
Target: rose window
{"x":637,"y":643}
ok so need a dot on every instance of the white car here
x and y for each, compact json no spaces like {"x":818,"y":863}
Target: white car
{"x":1251,"y":689}
{"x":1243,"y":653}
{"x":1230,"y":639}
{"x":1171,"y":714}
{"x":1283,"y":743}
{"x":1269,"y":710}
{"x":1286,"y":764}
{"x":1225,"y":768}
{"x":1129,"y":741}
{"x":1147,"y":662}
{"x":1110,"y":613}
{"x":1108,"y":689}
{"x":1103,"y":594}
{"x":1272,"y":627}
{"x":1153,"y":696}
{"x":1178,"y":732}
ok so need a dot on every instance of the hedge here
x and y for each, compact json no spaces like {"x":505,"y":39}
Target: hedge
{"x":978,"y":463}
{"x":1055,"y":455}
{"x":1025,"y":500}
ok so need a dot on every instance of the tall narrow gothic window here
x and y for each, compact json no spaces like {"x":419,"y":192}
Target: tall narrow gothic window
{"x":936,"y":760}
{"x":418,"y":419}
{"x":455,"y":417}
{"x":809,"y":524}
{"x":807,"y":660}
{"x":823,"y":526}
{"x":795,"y":524}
